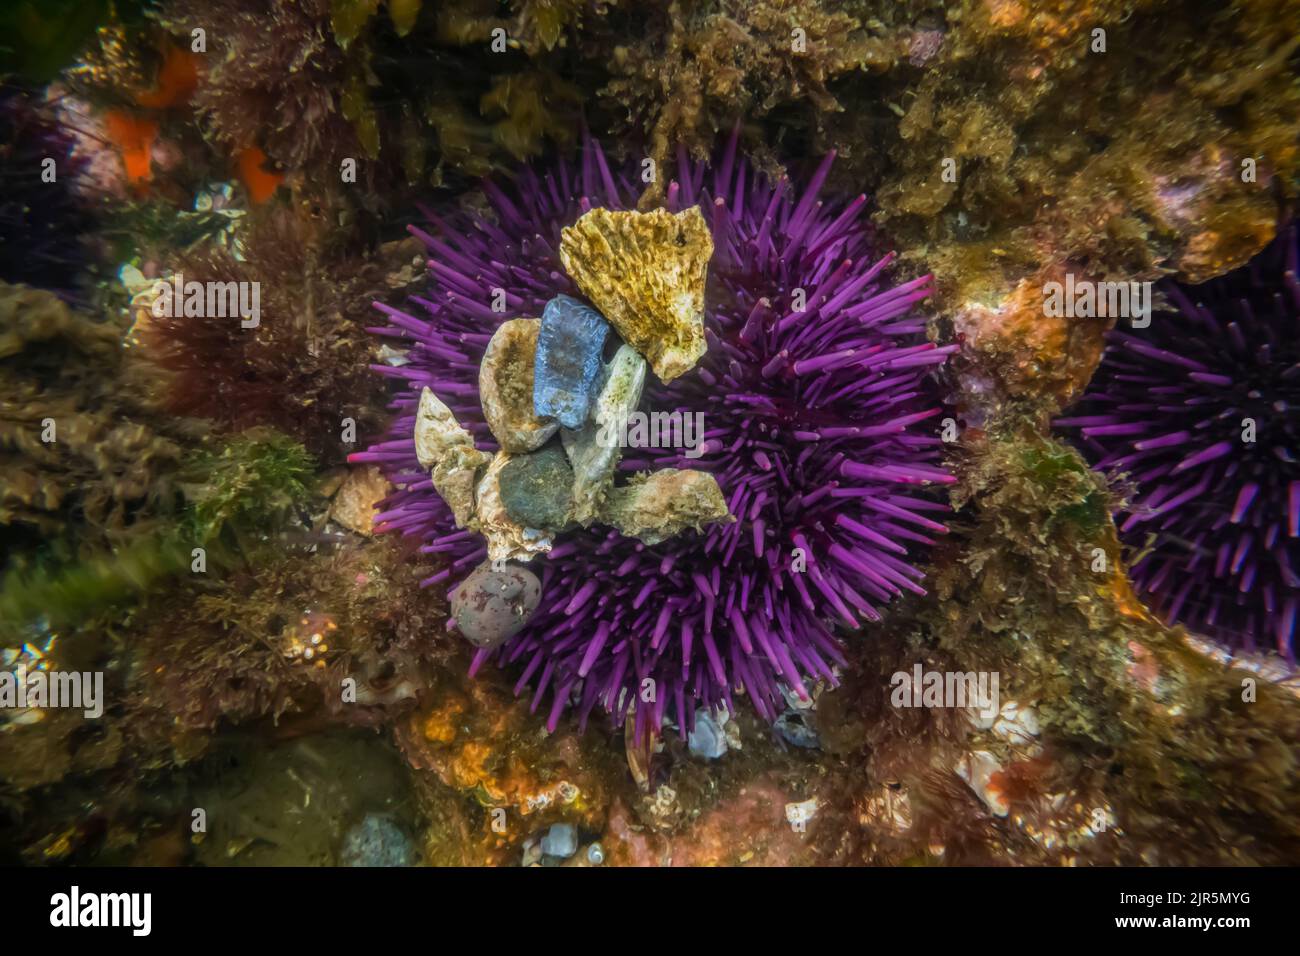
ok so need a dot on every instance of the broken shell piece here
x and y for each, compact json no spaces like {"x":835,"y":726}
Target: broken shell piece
{"x":492,"y":605}
{"x":436,"y":430}
{"x":645,"y":272}
{"x":567,"y":374}
{"x":505,"y":384}
{"x":506,"y":539}
{"x":978,"y":769}
{"x":594,"y":449}
{"x":658,"y":505}
{"x":354,"y":505}
{"x":442,"y":445}
{"x":799,"y":815}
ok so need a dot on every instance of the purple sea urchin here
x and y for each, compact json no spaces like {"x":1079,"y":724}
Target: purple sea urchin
{"x":42,"y":219}
{"x":1202,"y":411}
{"x":812,"y":389}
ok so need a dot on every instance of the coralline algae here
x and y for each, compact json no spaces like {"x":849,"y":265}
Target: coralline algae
{"x":568,"y":360}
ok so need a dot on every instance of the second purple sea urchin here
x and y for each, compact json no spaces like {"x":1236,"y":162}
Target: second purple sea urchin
{"x":813,"y":389}
{"x":1202,"y":411}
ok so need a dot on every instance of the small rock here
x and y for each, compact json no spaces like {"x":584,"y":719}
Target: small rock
{"x":532,"y":853}
{"x":507,"y":539}
{"x":561,"y":841}
{"x":490,"y":606}
{"x":645,"y":272}
{"x":568,"y":360}
{"x":505,"y":385}
{"x":795,"y":730}
{"x":376,"y":841}
{"x":590,"y":451}
{"x":707,"y":740}
{"x":659,"y":504}
{"x":537,"y":488}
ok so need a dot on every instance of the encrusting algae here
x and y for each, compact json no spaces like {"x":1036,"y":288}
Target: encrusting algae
{"x":404,"y":520}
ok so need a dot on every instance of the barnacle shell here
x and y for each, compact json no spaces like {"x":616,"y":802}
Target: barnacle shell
{"x":505,"y":384}
{"x":593,"y":449}
{"x":443,"y":446}
{"x":662,"y":503}
{"x":645,"y":272}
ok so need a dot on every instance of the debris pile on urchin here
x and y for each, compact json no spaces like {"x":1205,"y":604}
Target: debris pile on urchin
{"x":646,"y":271}
{"x":778,"y":323}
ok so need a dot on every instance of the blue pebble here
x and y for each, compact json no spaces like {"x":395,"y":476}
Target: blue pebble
{"x":561,"y":840}
{"x":707,"y":739}
{"x":567,"y":373}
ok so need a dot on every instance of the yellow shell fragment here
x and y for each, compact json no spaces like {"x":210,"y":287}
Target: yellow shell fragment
{"x":645,"y":272}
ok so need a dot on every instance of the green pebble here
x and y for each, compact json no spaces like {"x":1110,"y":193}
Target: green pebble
{"x":537,"y":488}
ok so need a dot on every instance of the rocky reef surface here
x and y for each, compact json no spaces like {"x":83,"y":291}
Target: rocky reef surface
{"x":224,"y":516}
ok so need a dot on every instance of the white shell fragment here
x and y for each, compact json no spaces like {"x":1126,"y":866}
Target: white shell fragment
{"x":594,"y":449}
{"x":447,"y":449}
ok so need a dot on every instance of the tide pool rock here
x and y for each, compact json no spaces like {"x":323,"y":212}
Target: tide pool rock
{"x":505,"y":385}
{"x":593,"y":449}
{"x":491,"y":606}
{"x":507,"y":539}
{"x":537,"y":488}
{"x":568,"y":366}
{"x":645,"y":272}
{"x":444,"y":447}
{"x":659,"y":504}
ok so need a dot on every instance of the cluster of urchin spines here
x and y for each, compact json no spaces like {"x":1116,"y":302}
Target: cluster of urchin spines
{"x":820,"y":402}
{"x":1201,"y":410}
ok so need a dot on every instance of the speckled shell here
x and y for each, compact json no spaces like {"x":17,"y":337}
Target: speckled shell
{"x":645,"y":272}
{"x":491,"y":606}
